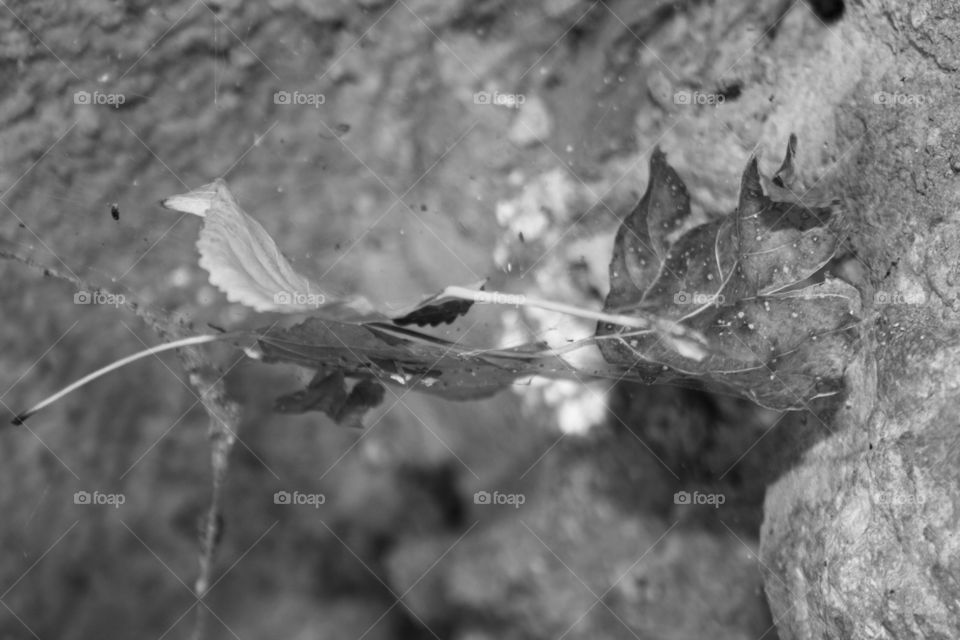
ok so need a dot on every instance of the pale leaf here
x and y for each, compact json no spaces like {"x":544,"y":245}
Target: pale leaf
{"x":245,"y":263}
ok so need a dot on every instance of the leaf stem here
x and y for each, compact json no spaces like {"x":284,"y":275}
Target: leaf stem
{"x":176,"y":344}
{"x":497,"y":297}
{"x":694,"y":346}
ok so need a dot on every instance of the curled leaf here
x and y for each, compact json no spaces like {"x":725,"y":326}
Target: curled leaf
{"x":328,"y":393}
{"x":433,"y":312}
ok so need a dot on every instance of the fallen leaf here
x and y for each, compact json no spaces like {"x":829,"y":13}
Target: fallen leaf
{"x":245,"y":263}
{"x":744,"y":283}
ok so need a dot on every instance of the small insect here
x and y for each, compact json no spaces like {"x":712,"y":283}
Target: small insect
{"x":115,"y":211}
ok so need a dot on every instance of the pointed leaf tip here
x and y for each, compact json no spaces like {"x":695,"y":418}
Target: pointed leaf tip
{"x":751,"y":192}
{"x":785,"y":173}
{"x":751,"y":174}
{"x":198,"y":201}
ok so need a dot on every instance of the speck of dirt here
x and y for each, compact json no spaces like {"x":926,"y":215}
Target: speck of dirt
{"x":731,"y":91}
{"x":827,"y":10}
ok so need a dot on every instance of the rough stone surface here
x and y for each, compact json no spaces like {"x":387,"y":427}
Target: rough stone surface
{"x":859,"y":540}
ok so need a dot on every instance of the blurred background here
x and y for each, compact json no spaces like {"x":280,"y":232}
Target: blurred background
{"x":391,"y":149}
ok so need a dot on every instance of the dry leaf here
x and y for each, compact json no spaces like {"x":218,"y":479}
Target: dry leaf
{"x":245,"y":263}
{"x":740,"y":282}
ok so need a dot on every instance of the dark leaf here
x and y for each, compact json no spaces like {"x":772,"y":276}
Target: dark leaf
{"x":403,"y":357}
{"x":435,"y":314}
{"x":784,"y":176}
{"x":381,"y":353}
{"x":744,"y":283}
{"x":326,"y":393}
{"x":366,"y":394}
